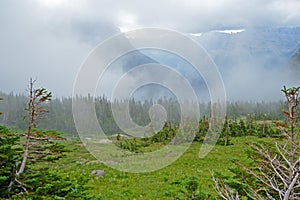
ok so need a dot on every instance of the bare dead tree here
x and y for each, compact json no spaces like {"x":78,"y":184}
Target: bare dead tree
{"x":1,"y":112}
{"x":35,"y":110}
{"x":279,"y":168}
{"x":37,"y":97}
{"x":224,"y":190}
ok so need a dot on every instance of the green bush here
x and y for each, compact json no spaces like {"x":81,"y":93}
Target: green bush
{"x":8,"y":158}
{"x":47,"y":184}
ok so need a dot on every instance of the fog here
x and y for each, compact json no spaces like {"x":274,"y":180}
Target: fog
{"x":50,"y":40}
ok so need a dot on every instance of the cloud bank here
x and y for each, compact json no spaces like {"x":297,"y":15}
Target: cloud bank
{"x":49,"y":40}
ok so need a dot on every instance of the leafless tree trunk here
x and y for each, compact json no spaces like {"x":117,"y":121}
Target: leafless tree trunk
{"x":31,"y":115}
{"x":35,"y":110}
{"x":293,"y":100}
{"x":1,"y":112}
{"x":278,"y":170}
{"x":224,"y":190}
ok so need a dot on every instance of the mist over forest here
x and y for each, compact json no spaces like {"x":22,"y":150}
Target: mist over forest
{"x":60,"y":115}
{"x":170,"y":99}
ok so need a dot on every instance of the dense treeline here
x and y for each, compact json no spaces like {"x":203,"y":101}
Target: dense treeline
{"x":60,"y":112}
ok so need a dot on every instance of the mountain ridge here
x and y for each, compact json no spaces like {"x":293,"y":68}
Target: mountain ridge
{"x":268,"y":46}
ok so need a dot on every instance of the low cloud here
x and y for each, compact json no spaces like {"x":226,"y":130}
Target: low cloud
{"x":50,"y":40}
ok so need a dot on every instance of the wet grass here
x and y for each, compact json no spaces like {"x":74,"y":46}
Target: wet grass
{"x":166,"y":183}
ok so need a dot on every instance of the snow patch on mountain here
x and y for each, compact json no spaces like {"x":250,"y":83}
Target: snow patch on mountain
{"x":234,"y":31}
{"x":227,"y":31}
{"x":196,"y":34}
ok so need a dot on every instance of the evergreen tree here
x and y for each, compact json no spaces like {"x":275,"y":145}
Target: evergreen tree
{"x":9,"y":155}
{"x":242,"y":128}
{"x":35,"y":110}
{"x":202,"y":129}
{"x":225,"y":133}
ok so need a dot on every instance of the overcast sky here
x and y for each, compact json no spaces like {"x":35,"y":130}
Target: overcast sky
{"x":49,"y":39}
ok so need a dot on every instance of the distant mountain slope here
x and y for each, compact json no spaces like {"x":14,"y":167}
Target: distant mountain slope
{"x":263,"y":47}
{"x":247,"y":59}
{"x":267,"y":47}
{"x":294,"y":63}
{"x":134,"y":59}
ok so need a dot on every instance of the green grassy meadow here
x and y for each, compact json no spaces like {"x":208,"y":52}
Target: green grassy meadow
{"x":167,"y":183}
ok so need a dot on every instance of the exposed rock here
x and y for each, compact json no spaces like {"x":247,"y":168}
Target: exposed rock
{"x":98,"y":172}
{"x":105,"y":141}
{"x":295,"y":62}
{"x":122,"y":135}
{"x":81,"y":160}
